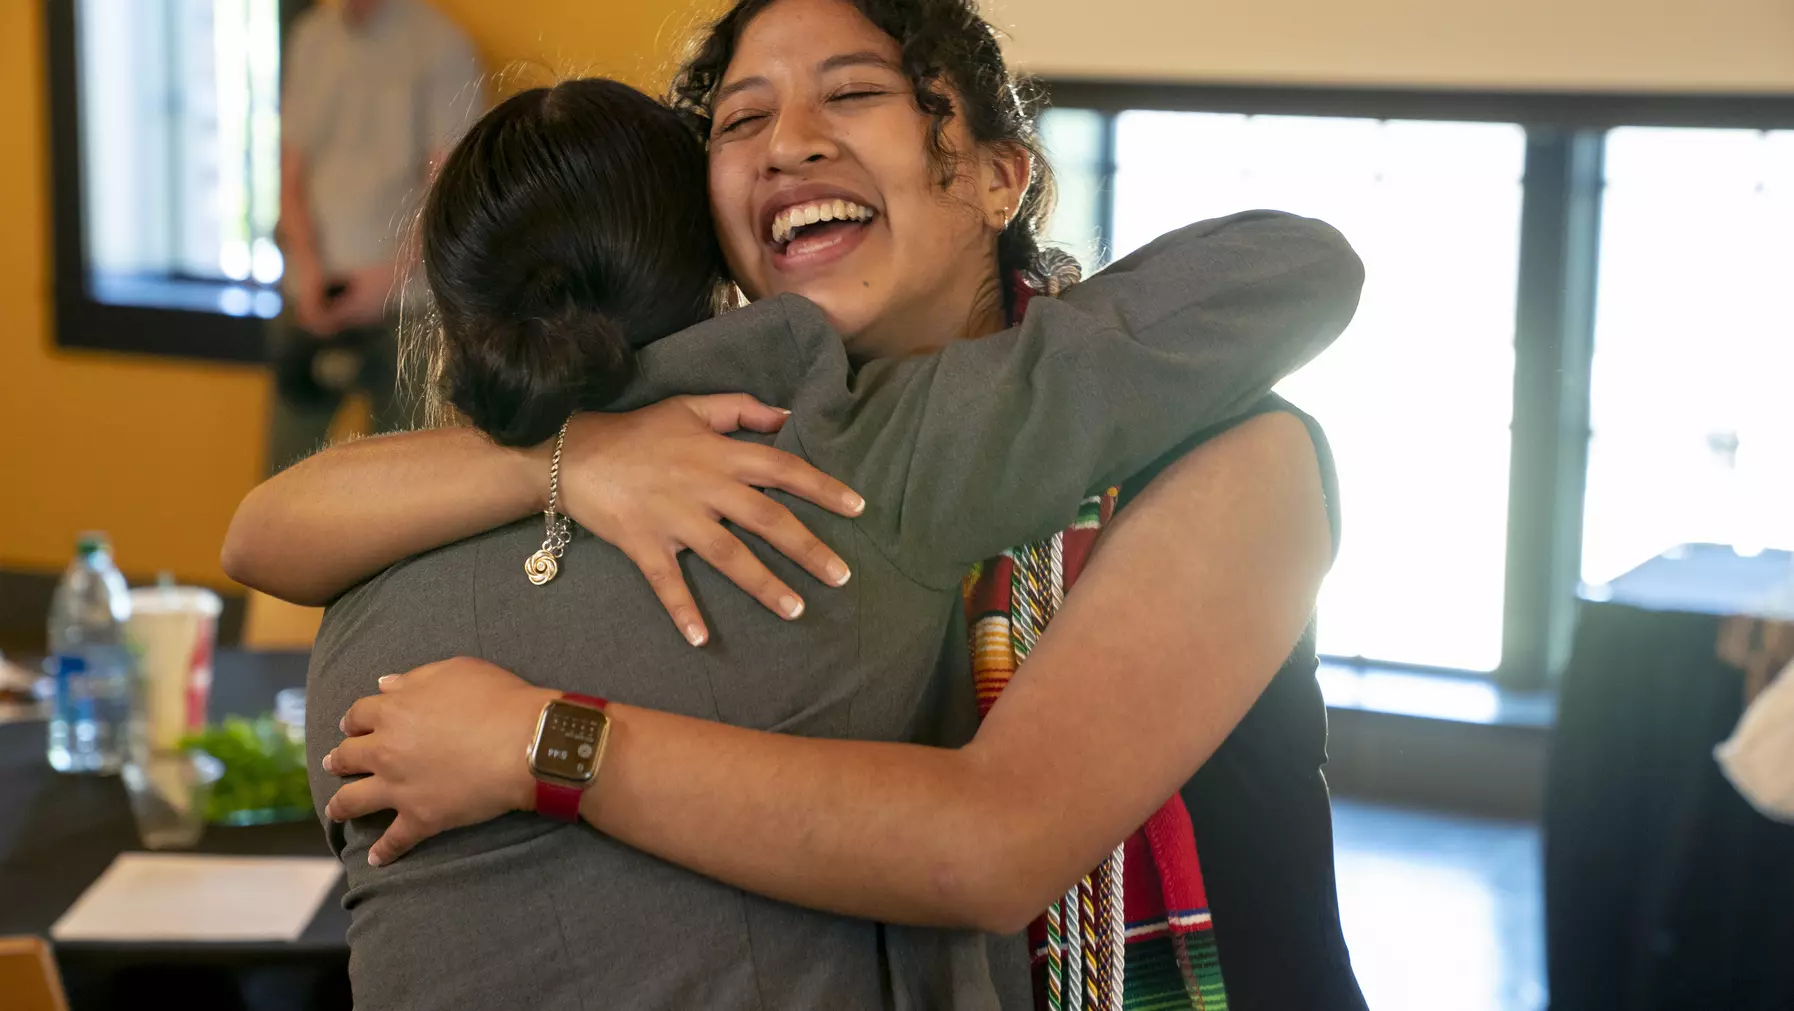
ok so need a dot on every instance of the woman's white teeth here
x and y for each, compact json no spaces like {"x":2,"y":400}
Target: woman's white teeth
{"x":791,"y":219}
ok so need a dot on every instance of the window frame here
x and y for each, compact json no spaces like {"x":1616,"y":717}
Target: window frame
{"x":78,"y":320}
{"x":1560,"y":229}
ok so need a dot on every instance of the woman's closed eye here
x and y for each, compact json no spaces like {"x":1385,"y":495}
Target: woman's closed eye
{"x":861,"y":91}
{"x":737,"y":122}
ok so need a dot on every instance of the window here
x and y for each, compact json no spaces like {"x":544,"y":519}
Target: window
{"x":180,"y":146}
{"x":1417,"y":395}
{"x":1692,"y":415}
{"x":1571,"y":353}
{"x":165,"y":136}
{"x":1076,"y":142}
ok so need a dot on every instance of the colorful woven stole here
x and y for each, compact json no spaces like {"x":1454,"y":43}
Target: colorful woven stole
{"x":1135,"y":933}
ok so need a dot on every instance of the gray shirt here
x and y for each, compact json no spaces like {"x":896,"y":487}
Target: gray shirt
{"x":366,"y":106}
{"x":960,"y":454}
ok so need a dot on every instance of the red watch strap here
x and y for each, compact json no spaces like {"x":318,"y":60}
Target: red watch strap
{"x":562,"y":802}
{"x":556,"y":801}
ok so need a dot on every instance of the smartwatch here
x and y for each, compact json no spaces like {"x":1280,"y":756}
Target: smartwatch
{"x":566,"y":752}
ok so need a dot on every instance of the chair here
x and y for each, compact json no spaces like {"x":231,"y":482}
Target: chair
{"x":273,"y":624}
{"x":28,"y":976}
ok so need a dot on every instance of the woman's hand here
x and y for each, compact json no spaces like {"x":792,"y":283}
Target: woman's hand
{"x":444,"y":746}
{"x":662,"y":480}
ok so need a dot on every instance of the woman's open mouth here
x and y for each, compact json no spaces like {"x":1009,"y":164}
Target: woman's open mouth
{"x":816,"y":232}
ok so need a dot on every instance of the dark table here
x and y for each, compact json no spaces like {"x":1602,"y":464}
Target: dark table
{"x":1664,"y":890}
{"x":57,"y":833}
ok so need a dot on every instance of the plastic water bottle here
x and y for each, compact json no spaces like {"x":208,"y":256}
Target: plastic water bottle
{"x":89,"y":662}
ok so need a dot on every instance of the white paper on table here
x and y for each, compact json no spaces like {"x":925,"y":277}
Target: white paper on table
{"x":197,"y":897}
{"x":1759,"y":756}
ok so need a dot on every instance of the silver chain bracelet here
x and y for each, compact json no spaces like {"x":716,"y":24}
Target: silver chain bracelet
{"x":545,"y":564}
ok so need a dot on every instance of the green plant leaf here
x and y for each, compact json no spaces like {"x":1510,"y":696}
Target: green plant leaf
{"x":264,"y":769}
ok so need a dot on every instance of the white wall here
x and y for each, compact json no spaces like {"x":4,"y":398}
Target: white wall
{"x":1611,"y":45}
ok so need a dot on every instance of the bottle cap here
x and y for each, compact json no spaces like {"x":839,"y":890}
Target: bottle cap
{"x":92,"y":541}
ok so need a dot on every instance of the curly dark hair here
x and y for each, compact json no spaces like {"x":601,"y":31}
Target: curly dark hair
{"x":949,"y":52}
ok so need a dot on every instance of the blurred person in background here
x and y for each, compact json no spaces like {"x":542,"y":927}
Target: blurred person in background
{"x":374,"y":92}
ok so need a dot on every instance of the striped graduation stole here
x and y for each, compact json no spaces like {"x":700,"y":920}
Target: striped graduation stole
{"x":1135,"y":933}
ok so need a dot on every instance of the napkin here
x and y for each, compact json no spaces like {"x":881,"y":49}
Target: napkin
{"x":1759,"y":756}
{"x":199,"y":897}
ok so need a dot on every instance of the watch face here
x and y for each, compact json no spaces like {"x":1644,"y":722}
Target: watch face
{"x":570,"y":742}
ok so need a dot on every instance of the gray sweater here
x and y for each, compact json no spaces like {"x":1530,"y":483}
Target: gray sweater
{"x":960,"y":455}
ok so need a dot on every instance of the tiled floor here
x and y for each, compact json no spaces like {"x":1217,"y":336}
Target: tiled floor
{"x":1443,"y":912}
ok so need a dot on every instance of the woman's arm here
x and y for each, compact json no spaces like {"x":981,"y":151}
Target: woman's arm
{"x":1179,"y":335}
{"x":1185,"y":333}
{"x":317,"y":528}
{"x":336,"y":518}
{"x":1191,"y":603}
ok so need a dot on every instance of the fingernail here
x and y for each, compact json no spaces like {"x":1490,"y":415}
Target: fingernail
{"x":838,"y":572}
{"x":783,"y":411}
{"x":387,"y":677}
{"x":325,"y":764}
{"x":855,"y":504}
{"x":373,"y":859}
{"x":791,"y":606}
{"x":694,"y":634}
{"x":343,"y":724}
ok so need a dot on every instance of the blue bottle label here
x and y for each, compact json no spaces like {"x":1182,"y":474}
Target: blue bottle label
{"x":65,"y":669}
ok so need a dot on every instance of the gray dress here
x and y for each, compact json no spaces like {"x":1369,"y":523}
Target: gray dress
{"x":960,"y":454}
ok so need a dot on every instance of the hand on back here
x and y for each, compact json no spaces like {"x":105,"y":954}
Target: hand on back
{"x":444,"y":746}
{"x":663,"y":479}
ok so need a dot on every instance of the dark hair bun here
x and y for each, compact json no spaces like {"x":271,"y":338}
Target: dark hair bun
{"x":568,"y":228}
{"x":521,"y":380}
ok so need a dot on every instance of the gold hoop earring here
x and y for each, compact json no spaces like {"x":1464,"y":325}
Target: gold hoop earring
{"x":1002,"y":219}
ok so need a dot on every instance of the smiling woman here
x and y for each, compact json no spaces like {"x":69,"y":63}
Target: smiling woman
{"x":820,"y":104}
{"x":815,"y":219}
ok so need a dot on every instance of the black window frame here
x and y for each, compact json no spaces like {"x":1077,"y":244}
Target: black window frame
{"x":1560,"y":227}
{"x":78,"y":319}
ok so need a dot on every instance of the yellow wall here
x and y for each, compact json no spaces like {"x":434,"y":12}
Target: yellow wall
{"x":633,"y":40}
{"x":158,"y":452}
{"x":1627,"y":45}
